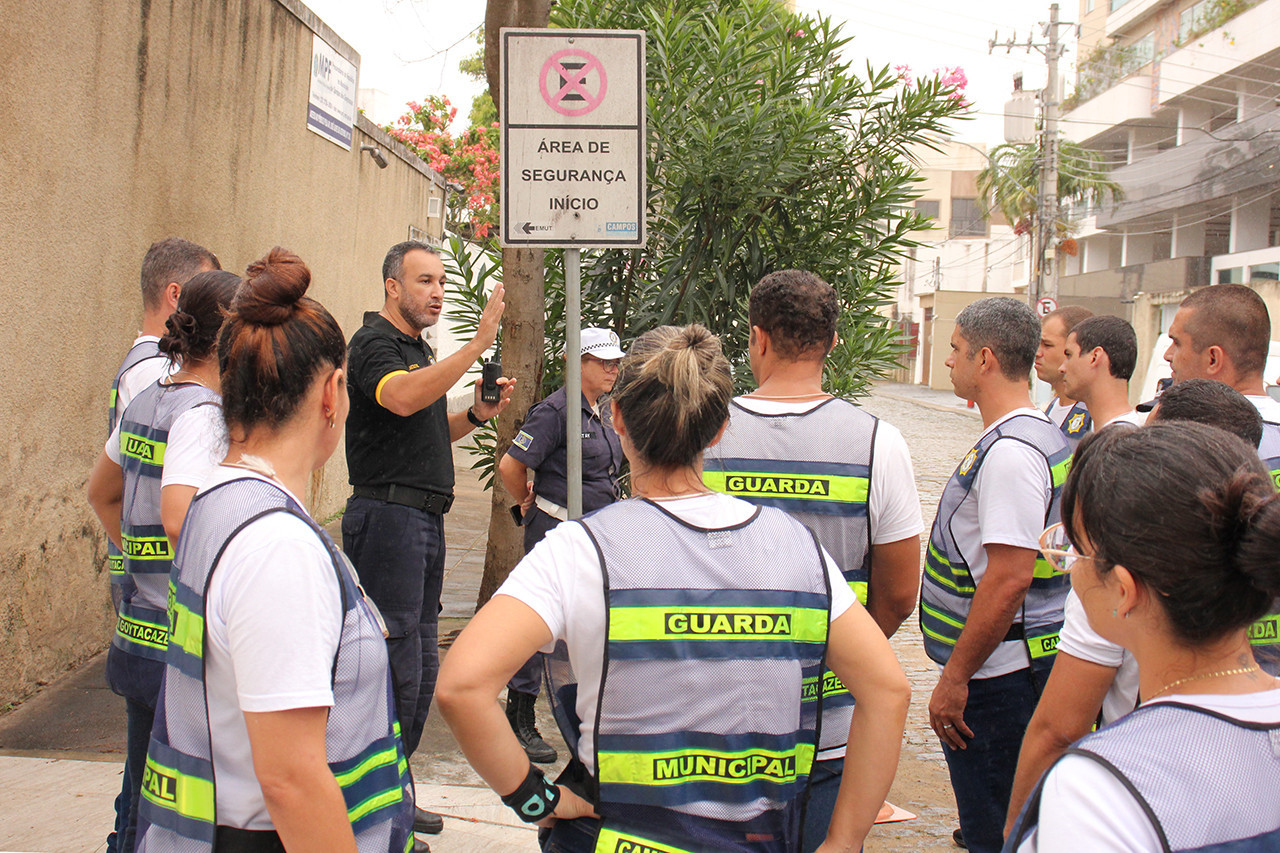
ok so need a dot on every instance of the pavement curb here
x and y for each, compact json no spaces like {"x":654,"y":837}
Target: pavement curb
{"x":937,"y":407}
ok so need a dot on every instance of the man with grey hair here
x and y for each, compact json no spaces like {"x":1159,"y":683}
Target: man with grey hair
{"x":990,"y":611}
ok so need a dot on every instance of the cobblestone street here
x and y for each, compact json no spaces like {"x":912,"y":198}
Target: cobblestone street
{"x":938,"y":439}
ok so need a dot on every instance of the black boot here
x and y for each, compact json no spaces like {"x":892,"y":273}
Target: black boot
{"x":520,"y":715}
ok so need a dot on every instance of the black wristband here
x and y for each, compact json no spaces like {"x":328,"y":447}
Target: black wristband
{"x":535,"y":799}
{"x":471,"y":416}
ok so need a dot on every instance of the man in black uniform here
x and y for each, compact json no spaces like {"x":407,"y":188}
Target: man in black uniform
{"x":541,"y":445}
{"x":400,"y":463}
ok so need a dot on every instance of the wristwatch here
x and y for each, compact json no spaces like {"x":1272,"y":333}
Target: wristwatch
{"x":471,"y":416}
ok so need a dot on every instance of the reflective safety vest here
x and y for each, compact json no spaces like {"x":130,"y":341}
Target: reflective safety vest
{"x":702,"y":741}
{"x":1212,"y":792}
{"x":143,"y":351}
{"x":362,"y":738}
{"x":947,"y":591}
{"x":816,"y":466}
{"x":1269,"y":450}
{"x":1076,"y":425}
{"x":141,"y":624}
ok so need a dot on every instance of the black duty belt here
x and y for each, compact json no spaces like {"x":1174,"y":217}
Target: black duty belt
{"x":232,"y":840}
{"x":422,"y":499}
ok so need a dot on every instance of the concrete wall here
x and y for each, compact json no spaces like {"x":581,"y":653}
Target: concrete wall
{"x":126,"y":122}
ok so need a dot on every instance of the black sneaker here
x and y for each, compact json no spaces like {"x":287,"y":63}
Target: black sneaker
{"x":959,"y":839}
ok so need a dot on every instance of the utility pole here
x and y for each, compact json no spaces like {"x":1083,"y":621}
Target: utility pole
{"x":1044,"y":277}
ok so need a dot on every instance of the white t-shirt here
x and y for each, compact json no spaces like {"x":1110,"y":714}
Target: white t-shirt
{"x":1267,"y":407}
{"x":139,"y":377}
{"x":1079,"y":640}
{"x":273,"y":613}
{"x":197,"y":443}
{"x":1085,"y":807}
{"x":892,"y":502}
{"x":560,"y":579}
{"x":1133,"y":416}
{"x":1058,"y":412}
{"x":1005,"y":506}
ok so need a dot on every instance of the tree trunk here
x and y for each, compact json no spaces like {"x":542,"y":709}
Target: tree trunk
{"x":523,"y":323}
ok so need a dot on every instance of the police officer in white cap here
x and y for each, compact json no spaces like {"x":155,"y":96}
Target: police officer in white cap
{"x":540,"y":446}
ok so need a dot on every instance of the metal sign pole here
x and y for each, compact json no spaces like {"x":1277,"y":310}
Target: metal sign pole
{"x":573,"y":375}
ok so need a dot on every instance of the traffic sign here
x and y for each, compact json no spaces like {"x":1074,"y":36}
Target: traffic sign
{"x":1046,"y":306}
{"x":573,"y":124}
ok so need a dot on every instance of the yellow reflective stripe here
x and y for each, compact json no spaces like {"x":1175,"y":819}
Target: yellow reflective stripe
{"x":115,"y":395}
{"x":1043,"y":646}
{"x":949,"y":582}
{"x":934,"y":635}
{"x":189,"y":796}
{"x":378,"y":801}
{"x":186,"y":629}
{"x":377,"y":392}
{"x":942,"y":617}
{"x":681,"y":766}
{"x":831,"y":685}
{"x":814,"y":487}
{"x":1058,"y":473}
{"x":612,"y":841}
{"x":141,"y":448}
{"x":803,"y":625}
{"x":115,"y":564}
{"x":859,"y":589}
{"x":1266,"y":631}
{"x":146,"y":547}
{"x":1044,"y":569}
{"x":379,"y":759}
{"x":143,"y":633}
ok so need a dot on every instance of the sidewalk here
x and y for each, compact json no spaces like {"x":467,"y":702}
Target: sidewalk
{"x":62,"y":751}
{"x":923,"y":395}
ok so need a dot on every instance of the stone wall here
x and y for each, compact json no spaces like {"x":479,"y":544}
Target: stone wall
{"x":126,"y":122}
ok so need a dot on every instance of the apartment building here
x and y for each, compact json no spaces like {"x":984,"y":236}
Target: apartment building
{"x":1181,"y":98}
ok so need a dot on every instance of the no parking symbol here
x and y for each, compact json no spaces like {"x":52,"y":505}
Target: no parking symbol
{"x":573,"y":82}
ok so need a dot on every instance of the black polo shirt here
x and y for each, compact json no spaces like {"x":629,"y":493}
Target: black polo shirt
{"x":540,"y":445}
{"x":382,"y":447}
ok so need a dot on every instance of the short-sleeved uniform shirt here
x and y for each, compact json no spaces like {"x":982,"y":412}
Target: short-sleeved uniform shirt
{"x":382,"y":447}
{"x":540,"y":445}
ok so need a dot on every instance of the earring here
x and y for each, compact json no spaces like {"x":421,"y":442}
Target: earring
{"x":332,"y":419}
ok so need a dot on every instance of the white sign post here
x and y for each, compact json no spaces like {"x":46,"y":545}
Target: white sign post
{"x":573,"y":154}
{"x":573,"y":165}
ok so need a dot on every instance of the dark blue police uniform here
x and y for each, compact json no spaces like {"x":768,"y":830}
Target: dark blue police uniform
{"x":540,"y":445}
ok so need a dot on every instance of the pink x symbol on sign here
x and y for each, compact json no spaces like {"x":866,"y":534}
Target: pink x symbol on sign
{"x":573,"y":82}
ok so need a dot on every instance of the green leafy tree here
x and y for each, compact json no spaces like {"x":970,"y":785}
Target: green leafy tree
{"x":766,"y":151}
{"x":1011,"y":181}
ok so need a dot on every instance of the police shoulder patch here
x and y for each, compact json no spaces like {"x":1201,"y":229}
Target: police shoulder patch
{"x":522,"y":440}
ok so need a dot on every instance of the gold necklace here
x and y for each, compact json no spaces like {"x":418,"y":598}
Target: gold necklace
{"x":756,"y":395}
{"x":196,"y":380}
{"x":1222,"y":672}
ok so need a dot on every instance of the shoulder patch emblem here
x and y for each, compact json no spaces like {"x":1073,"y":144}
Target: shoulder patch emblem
{"x":522,"y":440}
{"x":969,"y":459}
{"x":1075,"y":423}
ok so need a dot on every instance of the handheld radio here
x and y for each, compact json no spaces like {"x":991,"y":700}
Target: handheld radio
{"x":490,"y":373}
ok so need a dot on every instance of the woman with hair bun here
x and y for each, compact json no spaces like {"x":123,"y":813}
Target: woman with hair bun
{"x":167,"y":441}
{"x":688,"y":630}
{"x":1175,"y":528}
{"x":275,"y":728}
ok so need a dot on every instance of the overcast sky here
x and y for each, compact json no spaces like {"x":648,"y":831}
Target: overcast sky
{"x":411,"y":48}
